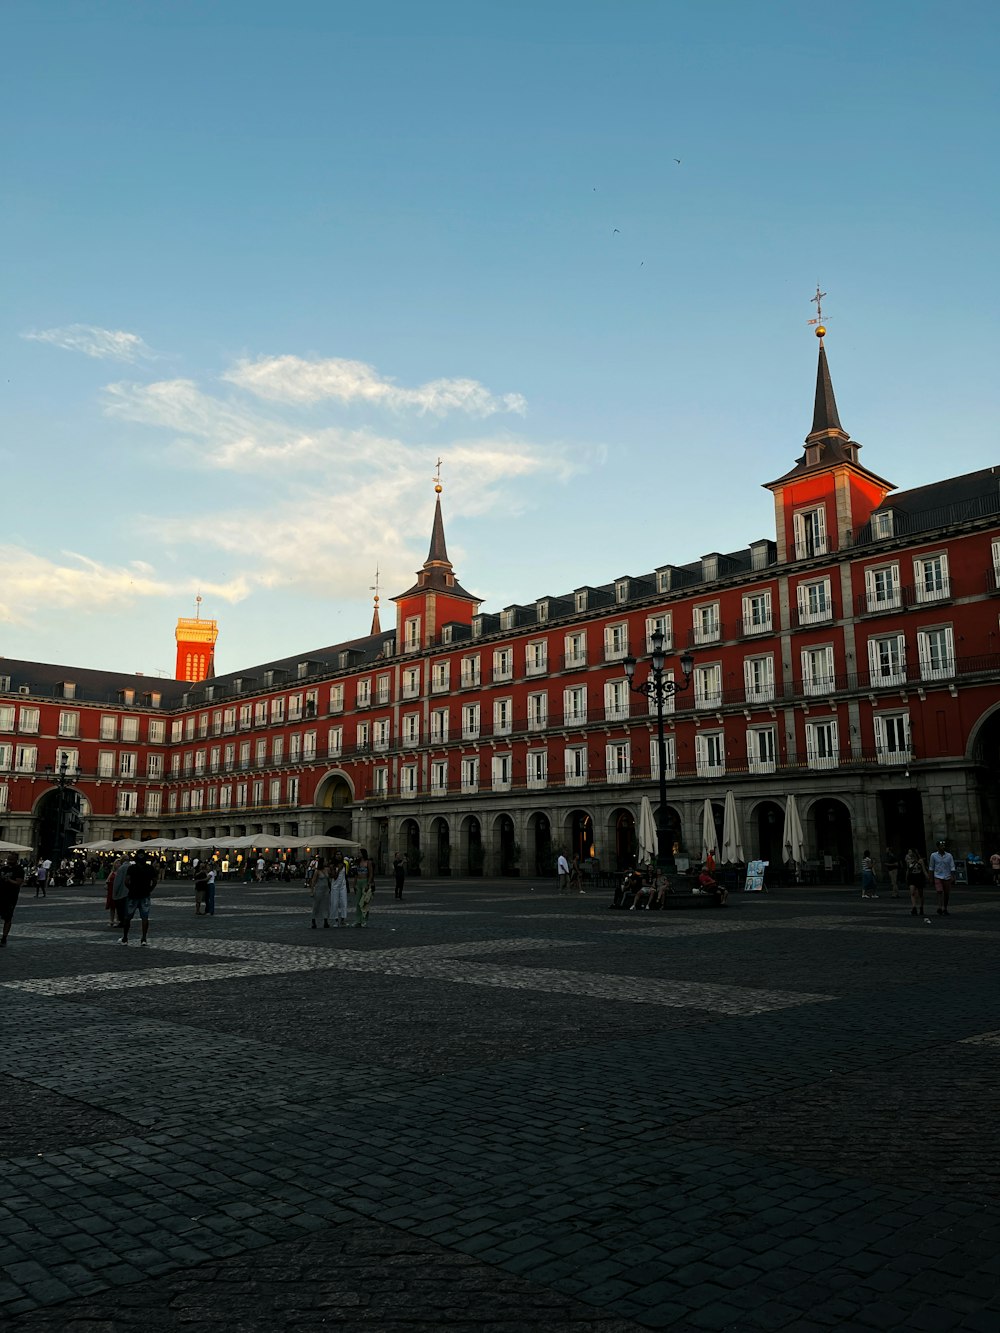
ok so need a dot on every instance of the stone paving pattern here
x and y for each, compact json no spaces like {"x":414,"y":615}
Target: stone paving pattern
{"x":499,"y":1109}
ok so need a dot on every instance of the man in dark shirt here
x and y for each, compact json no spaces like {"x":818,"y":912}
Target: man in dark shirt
{"x":140,"y":882}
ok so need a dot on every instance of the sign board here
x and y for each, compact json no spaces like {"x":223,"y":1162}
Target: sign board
{"x":755,"y":876}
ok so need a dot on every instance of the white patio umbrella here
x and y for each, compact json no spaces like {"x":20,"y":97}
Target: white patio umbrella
{"x":13,"y":847}
{"x":732,"y":848}
{"x":648,"y":841}
{"x":792,"y":838}
{"x":709,"y":837}
{"x":101,"y":845}
{"x":321,"y":840}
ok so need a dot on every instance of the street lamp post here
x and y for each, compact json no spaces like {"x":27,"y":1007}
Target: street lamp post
{"x":658,"y":689}
{"x":61,"y":777}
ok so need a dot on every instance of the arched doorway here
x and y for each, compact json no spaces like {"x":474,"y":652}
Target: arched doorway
{"x":440,"y":848}
{"x":675,"y":829}
{"x":336,"y":795}
{"x":769,"y":821}
{"x":984,"y":752}
{"x":833,"y":838}
{"x":902,"y":820}
{"x":625,"y":839}
{"x":471,"y":842}
{"x":59,"y":813}
{"x":581,"y":835}
{"x":409,"y":834}
{"x":508,"y":850}
{"x":539,"y":855}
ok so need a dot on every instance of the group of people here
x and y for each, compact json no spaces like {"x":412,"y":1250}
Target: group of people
{"x":570,"y":876}
{"x":130,"y":884}
{"x":329,"y":882}
{"x":939,"y":869}
{"x":640,"y":892}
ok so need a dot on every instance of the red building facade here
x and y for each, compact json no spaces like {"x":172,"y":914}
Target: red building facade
{"x":851,"y":659}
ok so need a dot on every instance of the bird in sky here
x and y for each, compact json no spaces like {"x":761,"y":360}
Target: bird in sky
{"x":616,"y":232}
{"x":677,"y":160}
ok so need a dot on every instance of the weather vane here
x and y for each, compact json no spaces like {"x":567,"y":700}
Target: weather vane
{"x":437,"y":477}
{"x":817,"y":300}
{"x":374,"y":586}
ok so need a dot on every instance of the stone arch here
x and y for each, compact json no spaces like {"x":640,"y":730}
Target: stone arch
{"x":439,"y":849}
{"x":335,"y":795}
{"x":506,"y":850}
{"x":622,"y":839}
{"x":539,"y":857}
{"x":578,"y":835}
{"x":470,"y":846}
{"x":828,"y":823}
{"x":409,"y":840}
{"x":766,"y":821}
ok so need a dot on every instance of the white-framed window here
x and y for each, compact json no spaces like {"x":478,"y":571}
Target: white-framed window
{"x":4,"y":797}
{"x":411,"y":633}
{"x":309,"y":745}
{"x":363,"y":736}
{"x":189,"y":725}
{"x":439,"y":777}
{"x":538,"y":711}
{"x":380,"y":733}
{"x":580,"y":600}
{"x":618,"y":761}
{"x":69,"y":724}
{"x":335,"y":742}
{"x":617,"y":700}
{"x":815,"y":602}
{"x":363,"y":692}
{"x":229,"y":720}
{"x":576,"y":765}
{"x":259,"y":754}
{"x":892,"y":737}
{"x":72,"y":758}
{"x":669,"y":700}
{"x":278,"y":750}
{"x":440,"y":677}
{"x":670,"y":754}
{"x":109,"y":726}
{"x":411,"y":683}
{"x":541,"y":612}
{"x":154,"y":802}
{"x":822,"y":746}
{"x":246,"y":716}
{"x":411,"y":728}
{"x":154,"y":766}
{"x":380,"y":781}
{"x":6,"y":756}
{"x":470,"y":670}
{"x":882,"y":588}
{"x":615,"y":642}
{"x":189,"y":762}
{"x":503,"y":663}
{"x":882,"y":524}
{"x":665,"y":624}
{"x":707,"y":625}
{"x":176,"y":731}
{"x":278,"y":711}
{"x":225,"y":797}
{"x":817,"y":670}
{"x":503,"y":717}
{"x":708,"y":685}
{"x":621,"y":590}
{"x":157,"y":731}
{"x":575,"y":645}
{"x":501,"y":767}
{"x":28,"y":721}
{"x":106,"y":763}
{"x":887,"y":659}
{"x":507,"y":619}
{"x":197,"y":799}
{"x":536,"y":655}
{"x":6,"y":717}
{"x":439,"y":725}
{"x":175,"y":766}
{"x":537,"y":764}
{"x":337,"y":698}
{"x":172,"y":802}
{"x":758,"y":678}
{"x":757,"y":612}
{"x":382,"y":689}
{"x":710,"y":754}
{"x":257,"y":792}
{"x":260,"y":713}
{"x":128,"y":802}
{"x":244,"y":754}
{"x":228,"y":756}
{"x":575,"y":703}
{"x":26,"y":758}
{"x":127,"y":763}
{"x":930,"y":577}
{"x":809,"y":527}
{"x":761,"y":750}
{"x":470,"y":722}
{"x":293,"y":790}
{"x":203,"y":721}
{"x":996,"y":563}
{"x":470,"y":773}
{"x":936,"y":651}
{"x":274,"y":794}
{"x":242,"y":790}
{"x":217,"y":722}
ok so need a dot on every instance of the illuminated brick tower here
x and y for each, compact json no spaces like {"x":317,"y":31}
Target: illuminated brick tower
{"x":195,"y":647}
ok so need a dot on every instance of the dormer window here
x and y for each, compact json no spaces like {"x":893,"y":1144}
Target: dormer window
{"x":302,"y":670}
{"x":580,"y":600}
{"x":477,"y":627}
{"x":447,"y":633}
{"x":541,"y":612}
{"x":411,"y":633}
{"x":810,"y":533}
{"x":709,"y":567}
{"x":506,"y":620}
{"x":813,"y":452}
{"x":663,"y":580}
{"x":67,"y":689}
{"x":621,"y":591}
{"x":882,"y":524}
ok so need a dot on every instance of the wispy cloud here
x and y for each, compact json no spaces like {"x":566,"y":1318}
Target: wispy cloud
{"x":292,"y":379}
{"x":33,"y":583}
{"x":102,"y":344}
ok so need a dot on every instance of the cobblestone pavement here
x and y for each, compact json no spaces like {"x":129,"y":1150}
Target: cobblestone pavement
{"x":501,"y":1109}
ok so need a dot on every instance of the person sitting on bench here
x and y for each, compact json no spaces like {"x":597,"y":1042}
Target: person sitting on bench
{"x":706,"y":884}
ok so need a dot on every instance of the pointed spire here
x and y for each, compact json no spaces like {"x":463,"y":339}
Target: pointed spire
{"x":825,"y":415}
{"x":376,"y":626}
{"x":438,"y":553}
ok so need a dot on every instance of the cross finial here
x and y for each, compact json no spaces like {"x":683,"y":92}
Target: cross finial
{"x":817,"y":300}
{"x":374,"y":586}
{"x":197,"y":607}
{"x":437,"y":477}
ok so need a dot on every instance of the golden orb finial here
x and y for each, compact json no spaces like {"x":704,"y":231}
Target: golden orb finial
{"x":820,"y":331}
{"x":438,"y":487}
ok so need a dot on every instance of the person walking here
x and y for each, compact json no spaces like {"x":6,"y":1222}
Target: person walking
{"x":995,"y":868}
{"x":562,"y":870}
{"x":942,"y":868}
{"x":41,"y":875}
{"x":119,"y":890}
{"x":576,"y":876}
{"x":338,"y":895}
{"x":916,"y":881}
{"x":210,"y":892}
{"x":891,"y":863}
{"x":320,"y":888}
{"x":364,"y":887}
{"x":11,"y":879}
{"x":109,"y":897}
{"x":868,"y":876}
{"x":140,"y":882}
{"x":399,"y":874}
{"x":200,"y":889}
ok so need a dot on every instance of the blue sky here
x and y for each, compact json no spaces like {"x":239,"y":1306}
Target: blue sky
{"x":263,"y":264}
